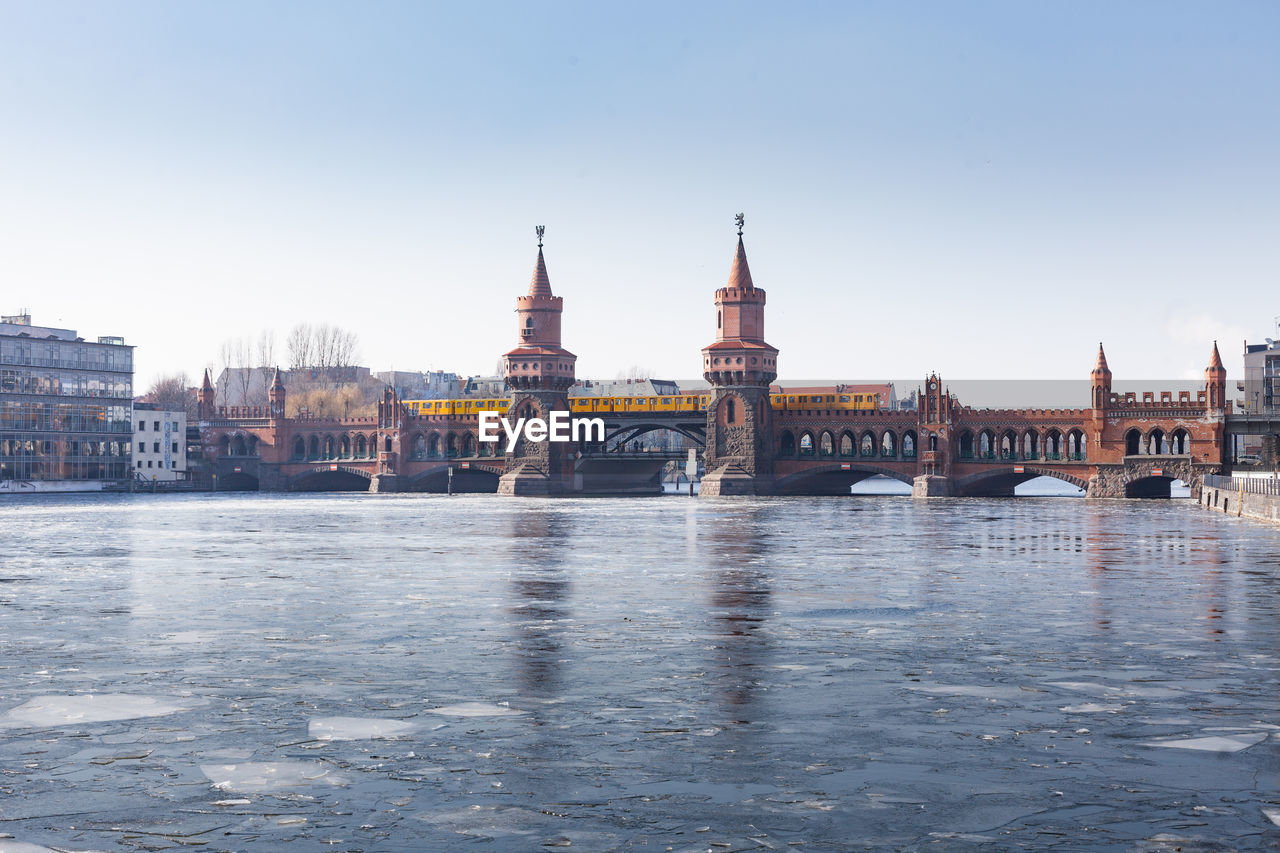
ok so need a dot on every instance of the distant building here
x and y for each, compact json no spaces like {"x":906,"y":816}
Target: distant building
{"x":65,"y":408}
{"x":426,"y":385}
{"x":159,"y":443}
{"x":1261,"y":385}
{"x":484,"y":386}
{"x":624,"y":388}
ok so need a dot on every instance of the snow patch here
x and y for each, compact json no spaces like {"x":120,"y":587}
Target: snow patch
{"x":357,"y":728}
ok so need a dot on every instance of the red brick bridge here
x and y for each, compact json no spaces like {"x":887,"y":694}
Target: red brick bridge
{"x":1118,"y":445}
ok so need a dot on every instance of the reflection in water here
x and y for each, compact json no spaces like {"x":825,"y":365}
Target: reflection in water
{"x":540,"y":589}
{"x":740,"y":602}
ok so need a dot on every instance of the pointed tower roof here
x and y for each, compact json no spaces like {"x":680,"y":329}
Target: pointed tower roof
{"x":207,"y":386}
{"x":277,"y":384}
{"x":1215,"y":361}
{"x":1101,"y":365}
{"x":540,"y":284}
{"x":740,"y":273}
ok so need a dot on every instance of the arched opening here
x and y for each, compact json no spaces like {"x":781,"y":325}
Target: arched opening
{"x":240,"y":482}
{"x":328,"y":447}
{"x":419,"y":447}
{"x":806,"y":443}
{"x":1053,"y":444}
{"x":238,"y":446}
{"x":1155,"y":443}
{"x":224,"y":446}
{"x":345,"y":447}
{"x":867,"y":444}
{"x":253,"y":445}
{"x":451,"y":446}
{"x":362,"y":447}
{"x":1031,"y":445}
{"x":730,"y":411}
{"x":888,"y":444}
{"x":330,"y":481}
{"x":1009,"y":445}
{"x":965,"y":449}
{"x":786,"y":444}
{"x":933,"y":443}
{"x":465,"y":480}
{"x":299,"y":448}
{"x":433,"y":446}
{"x":1150,"y":487}
{"x":827,"y":444}
{"x":846,"y":444}
{"x":468,"y":445}
{"x":1180,"y":442}
{"x":986,"y":444}
{"x":909,"y":444}
{"x":1132,"y":443}
{"x":1076,"y":445}
{"x":313,"y":450}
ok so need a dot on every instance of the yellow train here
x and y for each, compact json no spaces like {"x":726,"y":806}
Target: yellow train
{"x":672,"y":403}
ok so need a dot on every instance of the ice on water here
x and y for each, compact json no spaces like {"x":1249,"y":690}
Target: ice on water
{"x":1213,"y":743}
{"x":55,"y":711}
{"x":357,"y":728}
{"x":475,"y":709}
{"x":270,"y":776}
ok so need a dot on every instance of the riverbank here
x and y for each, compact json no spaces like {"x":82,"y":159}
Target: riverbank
{"x":1252,"y":497}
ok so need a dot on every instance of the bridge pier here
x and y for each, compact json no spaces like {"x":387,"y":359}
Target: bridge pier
{"x":385,"y":483}
{"x":732,"y":480}
{"x":932,"y":486}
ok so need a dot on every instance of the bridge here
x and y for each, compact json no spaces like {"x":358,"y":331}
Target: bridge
{"x":1115,"y":445}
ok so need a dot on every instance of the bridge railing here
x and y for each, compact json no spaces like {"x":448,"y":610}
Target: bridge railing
{"x":1249,"y":485}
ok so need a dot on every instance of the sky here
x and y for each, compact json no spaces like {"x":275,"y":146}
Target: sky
{"x":982,"y":189}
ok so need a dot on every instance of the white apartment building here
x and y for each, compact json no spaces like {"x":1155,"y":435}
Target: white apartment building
{"x":159,"y":443}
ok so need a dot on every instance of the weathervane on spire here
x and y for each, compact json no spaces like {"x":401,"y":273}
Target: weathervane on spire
{"x":739,"y":220}
{"x":540,"y":229}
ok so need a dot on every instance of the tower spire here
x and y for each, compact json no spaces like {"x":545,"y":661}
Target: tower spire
{"x":740,"y":273}
{"x":1100,"y":367}
{"x":1215,"y":360}
{"x":540,"y":283}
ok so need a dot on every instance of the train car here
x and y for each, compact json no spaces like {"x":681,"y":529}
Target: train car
{"x":839,"y":402}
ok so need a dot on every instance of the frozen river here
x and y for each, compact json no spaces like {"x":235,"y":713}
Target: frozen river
{"x":422,"y":673}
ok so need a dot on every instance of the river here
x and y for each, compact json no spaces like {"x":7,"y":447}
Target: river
{"x":419,"y":672}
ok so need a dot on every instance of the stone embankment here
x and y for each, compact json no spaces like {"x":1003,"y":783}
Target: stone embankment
{"x":1247,"y":497}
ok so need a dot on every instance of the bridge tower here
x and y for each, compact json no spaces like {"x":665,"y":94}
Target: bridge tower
{"x":275,"y":396}
{"x":740,"y":366}
{"x":539,"y":372}
{"x":935,"y":410}
{"x":206,"y":399}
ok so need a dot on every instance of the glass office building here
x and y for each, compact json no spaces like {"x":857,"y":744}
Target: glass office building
{"x":65,"y":408}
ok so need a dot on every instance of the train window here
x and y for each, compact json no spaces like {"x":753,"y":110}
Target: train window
{"x":791,"y":399}
{"x":844,"y":398}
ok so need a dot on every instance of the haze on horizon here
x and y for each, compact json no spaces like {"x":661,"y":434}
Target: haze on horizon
{"x":983,"y":189}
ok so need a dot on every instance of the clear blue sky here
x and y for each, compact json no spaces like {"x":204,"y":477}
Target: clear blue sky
{"x":984,"y":189}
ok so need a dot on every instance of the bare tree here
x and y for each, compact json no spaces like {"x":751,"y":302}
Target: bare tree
{"x":299,"y":344}
{"x":173,"y":393}
{"x":242,"y":355}
{"x":226,"y":357}
{"x":266,"y":357}
{"x":635,"y":371}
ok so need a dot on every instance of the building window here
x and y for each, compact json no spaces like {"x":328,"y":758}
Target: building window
{"x":155,"y":447}
{"x":148,"y":463}
{"x":175,"y":447}
{"x":142,"y":426}
{"x":142,"y":447}
{"x":139,"y":463}
{"x":156,"y":426}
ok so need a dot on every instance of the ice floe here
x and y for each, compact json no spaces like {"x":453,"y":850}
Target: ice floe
{"x":475,"y":709}
{"x":1212,"y":743}
{"x":53,"y":711}
{"x":357,"y":728}
{"x":267,"y":776}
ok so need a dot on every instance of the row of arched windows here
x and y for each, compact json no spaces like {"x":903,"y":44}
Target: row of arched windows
{"x":826,"y":443}
{"x":335,"y":447}
{"x":1156,"y":443}
{"x":1010,"y":445}
{"x":452,"y":445}
{"x":238,"y":445}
